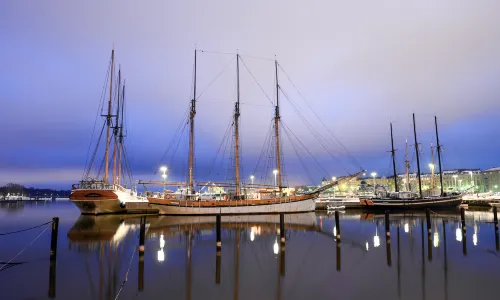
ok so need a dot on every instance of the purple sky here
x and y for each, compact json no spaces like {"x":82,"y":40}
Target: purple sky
{"x":360,"y":65}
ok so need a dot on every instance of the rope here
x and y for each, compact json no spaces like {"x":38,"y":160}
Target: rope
{"x":20,"y":252}
{"x":215,"y":79}
{"x":126,"y":275}
{"x":353,"y":160}
{"x":12,"y":232}
{"x":258,"y":84}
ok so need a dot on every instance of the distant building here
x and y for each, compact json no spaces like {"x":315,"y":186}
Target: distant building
{"x":492,"y":179}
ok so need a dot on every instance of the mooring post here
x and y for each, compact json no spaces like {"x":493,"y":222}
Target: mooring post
{"x":428,"y":217}
{"x":337,"y":224}
{"x":388,"y":238}
{"x":282,"y":244}
{"x":53,"y":257}
{"x":464,"y":231}
{"x":217,"y":230}
{"x":218,"y":249}
{"x":495,"y":221}
{"x":53,"y":239}
{"x":141,"y":253}
{"x":387,"y":224}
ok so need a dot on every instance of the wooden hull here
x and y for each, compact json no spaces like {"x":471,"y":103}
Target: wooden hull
{"x":95,"y":202}
{"x":304,"y":203}
{"x":390,"y":204}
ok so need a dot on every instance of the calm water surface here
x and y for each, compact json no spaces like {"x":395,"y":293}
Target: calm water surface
{"x":180,"y":261}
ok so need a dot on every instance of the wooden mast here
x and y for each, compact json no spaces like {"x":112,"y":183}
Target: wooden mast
{"x":438,"y":148}
{"x":108,"y":118}
{"x":276,"y":128}
{"x":432,"y":167}
{"x":407,"y":166}
{"x":236,"y":130}
{"x":191,"y":132}
{"x":393,"y":152}
{"x":120,"y":149}
{"x":418,"y":158}
{"x":115,"y":128}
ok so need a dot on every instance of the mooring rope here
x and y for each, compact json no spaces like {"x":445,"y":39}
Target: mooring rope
{"x":126,"y":274}
{"x":20,"y":252}
{"x":7,"y":233}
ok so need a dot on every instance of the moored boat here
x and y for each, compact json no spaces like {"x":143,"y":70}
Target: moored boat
{"x":99,"y":196}
{"x":408,"y":200}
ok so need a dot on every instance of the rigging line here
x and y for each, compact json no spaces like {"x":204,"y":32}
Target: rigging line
{"x":258,"y":57}
{"x":317,"y":162}
{"x":101,"y":101}
{"x":216,"y":52}
{"x":216,"y":77}
{"x":127,"y":165}
{"x":266,"y":140}
{"x":324,"y":125}
{"x":178,"y":143}
{"x":220,"y":145}
{"x":298,"y":156}
{"x":257,"y":82}
{"x":179,"y":126}
{"x":256,"y":104}
{"x":91,"y":163}
{"x":316,"y":134}
{"x":20,"y":252}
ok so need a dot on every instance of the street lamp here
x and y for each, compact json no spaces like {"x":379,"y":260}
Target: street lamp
{"x":252,"y":178}
{"x":275,"y":172}
{"x":334,"y":178}
{"x":374,"y":182}
{"x":163,"y":170}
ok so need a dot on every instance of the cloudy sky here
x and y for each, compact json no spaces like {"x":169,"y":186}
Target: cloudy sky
{"x":359,"y":65}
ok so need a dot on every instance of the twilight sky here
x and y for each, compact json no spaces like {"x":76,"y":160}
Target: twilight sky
{"x":359,"y":65}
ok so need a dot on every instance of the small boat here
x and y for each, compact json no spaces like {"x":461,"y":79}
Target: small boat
{"x":407,"y":200}
{"x":93,"y":196}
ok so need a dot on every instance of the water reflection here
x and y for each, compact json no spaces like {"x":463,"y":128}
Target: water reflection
{"x":181,"y":259}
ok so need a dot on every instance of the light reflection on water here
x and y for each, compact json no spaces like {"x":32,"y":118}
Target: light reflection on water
{"x":181,"y":261}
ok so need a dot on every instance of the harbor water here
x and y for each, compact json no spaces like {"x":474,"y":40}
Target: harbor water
{"x":98,"y":257}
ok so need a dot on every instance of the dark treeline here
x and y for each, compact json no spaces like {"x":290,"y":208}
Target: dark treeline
{"x":13,"y":189}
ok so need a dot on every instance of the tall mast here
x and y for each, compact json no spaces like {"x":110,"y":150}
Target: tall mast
{"x":438,"y":148}
{"x":120,"y":152}
{"x":191,"y":131}
{"x":418,"y":158}
{"x":236,"y":129}
{"x":407,"y":166}
{"x":115,"y":128}
{"x":432,"y":167}
{"x":276,"y":128}
{"x":108,"y":117}
{"x":393,"y":152}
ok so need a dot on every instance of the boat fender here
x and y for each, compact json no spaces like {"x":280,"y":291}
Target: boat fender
{"x":225,"y":197}
{"x":122,"y":204}
{"x":271,"y":195}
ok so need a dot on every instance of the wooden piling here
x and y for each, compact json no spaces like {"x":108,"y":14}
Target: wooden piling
{"x":217,"y":229}
{"x":53,"y":257}
{"x":495,"y":221}
{"x":282,"y":244}
{"x":337,"y":224}
{"x":428,"y":218}
{"x":217,"y":266}
{"x":53,"y":238}
{"x":141,"y":254}
{"x":282,"y":228}
{"x":387,"y":224}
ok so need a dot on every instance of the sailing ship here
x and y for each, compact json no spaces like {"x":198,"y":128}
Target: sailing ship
{"x":261,"y":199}
{"x":94,"y":196}
{"x":410,"y":200}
